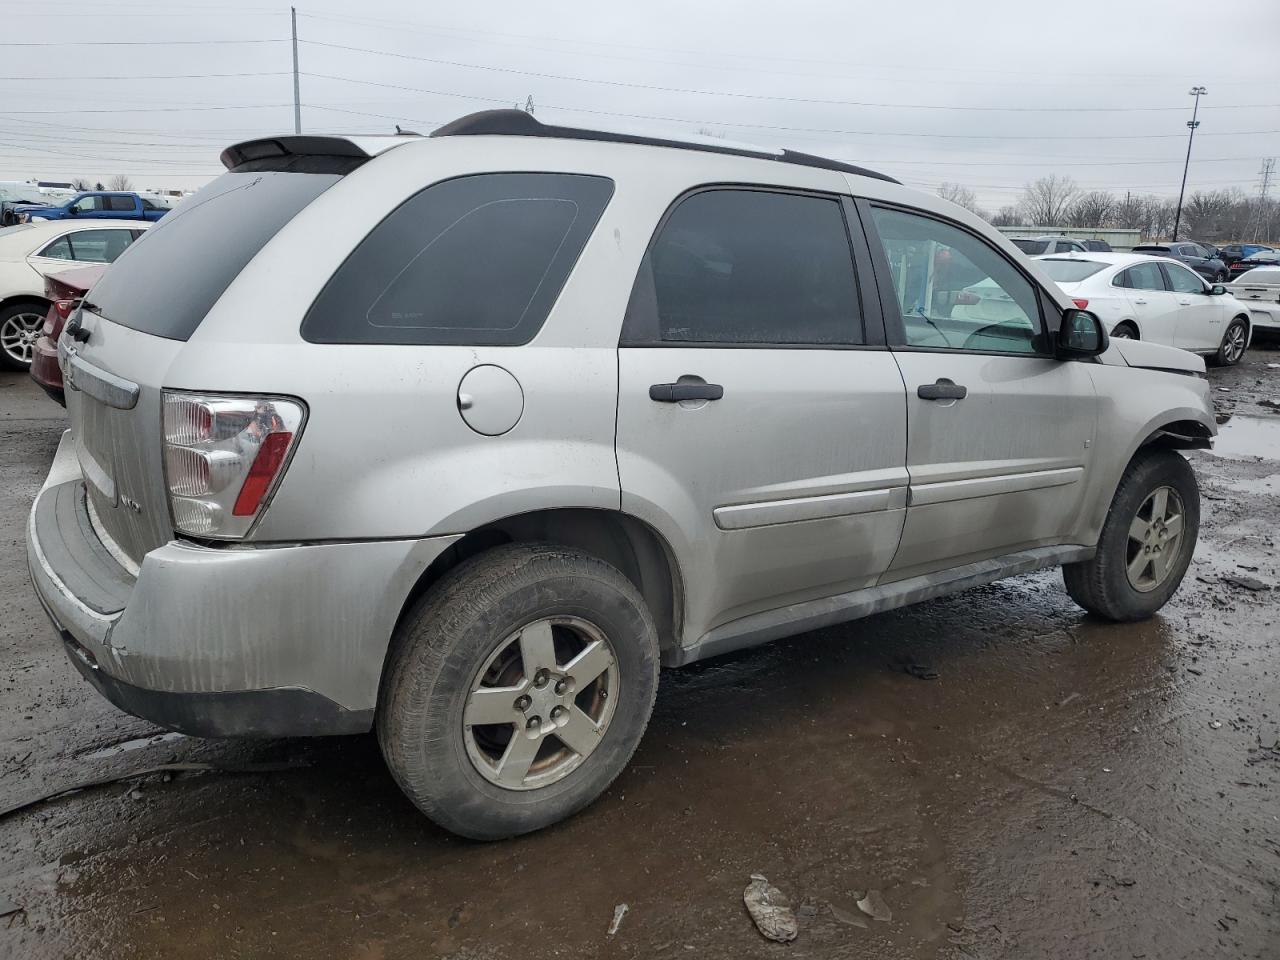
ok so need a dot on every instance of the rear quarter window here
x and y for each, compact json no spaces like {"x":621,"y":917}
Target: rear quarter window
{"x":477,"y":260}
{"x":167,"y":281}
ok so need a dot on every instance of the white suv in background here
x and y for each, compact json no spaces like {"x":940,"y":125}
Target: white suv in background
{"x":1139,"y":297}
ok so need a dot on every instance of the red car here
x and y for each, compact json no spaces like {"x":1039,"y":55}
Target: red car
{"x":64,"y":291}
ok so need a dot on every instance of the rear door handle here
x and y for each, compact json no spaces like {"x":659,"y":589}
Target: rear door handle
{"x":675,"y":392}
{"x":1185,"y":303}
{"x":944,"y":389}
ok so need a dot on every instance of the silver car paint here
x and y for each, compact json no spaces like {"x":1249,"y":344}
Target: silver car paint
{"x":755,"y":514}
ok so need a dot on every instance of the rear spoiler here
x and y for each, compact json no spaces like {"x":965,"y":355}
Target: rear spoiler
{"x":354,"y":150}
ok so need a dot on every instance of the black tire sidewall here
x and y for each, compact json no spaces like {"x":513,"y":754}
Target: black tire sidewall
{"x":1222,"y":359}
{"x":7,"y":362}
{"x":1156,"y":469}
{"x":435,"y":769}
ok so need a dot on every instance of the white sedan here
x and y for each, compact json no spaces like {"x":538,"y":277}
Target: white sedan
{"x":1138,"y":297}
{"x":1259,"y":290}
{"x":31,"y":251}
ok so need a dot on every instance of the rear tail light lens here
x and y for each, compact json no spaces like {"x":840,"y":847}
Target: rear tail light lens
{"x":1080,"y":304}
{"x":222,"y":458}
{"x":64,"y":307}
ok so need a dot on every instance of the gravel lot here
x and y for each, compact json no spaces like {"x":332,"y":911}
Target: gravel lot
{"x":1062,"y":788}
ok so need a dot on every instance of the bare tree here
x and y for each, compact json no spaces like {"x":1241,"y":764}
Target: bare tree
{"x":1046,"y":201}
{"x":1091,"y":209}
{"x":119,"y":182}
{"x":1213,"y":213}
{"x":80,"y":183}
{"x":960,"y":195}
{"x":1006,"y":217}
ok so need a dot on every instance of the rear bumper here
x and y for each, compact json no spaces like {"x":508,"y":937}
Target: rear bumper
{"x":45,"y":370}
{"x":240,"y":641}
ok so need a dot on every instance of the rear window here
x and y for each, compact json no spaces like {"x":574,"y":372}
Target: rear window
{"x":173,"y":275}
{"x":1266,"y":275}
{"x":1031,"y":247}
{"x":477,"y":260}
{"x":1070,"y":271}
{"x":1149,"y":248}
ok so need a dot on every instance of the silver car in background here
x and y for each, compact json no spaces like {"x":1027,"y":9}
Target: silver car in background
{"x":465,"y":435}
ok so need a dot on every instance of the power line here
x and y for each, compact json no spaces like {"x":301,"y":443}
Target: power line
{"x":128,"y":43}
{"x":754,"y":96}
{"x":155,"y":76}
{"x":239,"y":106}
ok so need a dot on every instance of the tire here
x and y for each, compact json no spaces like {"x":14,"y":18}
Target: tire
{"x":471,"y":633}
{"x":1231,"y":350}
{"x":20,"y":325}
{"x":1221,"y":276}
{"x":1105,"y":585}
{"x":1125,"y":331}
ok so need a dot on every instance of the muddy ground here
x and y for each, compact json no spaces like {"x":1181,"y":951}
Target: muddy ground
{"x":1063,"y":788}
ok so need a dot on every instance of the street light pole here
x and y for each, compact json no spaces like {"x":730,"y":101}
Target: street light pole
{"x":1196,"y":92}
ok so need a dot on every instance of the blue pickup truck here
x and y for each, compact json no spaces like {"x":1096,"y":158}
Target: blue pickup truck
{"x":89,"y":206}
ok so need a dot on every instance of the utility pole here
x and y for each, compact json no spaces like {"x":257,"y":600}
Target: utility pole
{"x":1196,"y":92}
{"x":297,"y":101}
{"x":1264,"y":187}
{"x":528,"y":105}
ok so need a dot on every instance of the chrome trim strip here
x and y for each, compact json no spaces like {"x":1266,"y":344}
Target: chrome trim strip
{"x":745,"y":515}
{"x":106,"y":387}
{"x":946,"y":491}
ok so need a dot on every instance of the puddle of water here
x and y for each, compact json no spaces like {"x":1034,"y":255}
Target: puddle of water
{"x":130,"y":745}
{"x":1245,"y":437}
{"x":1267,"y":484}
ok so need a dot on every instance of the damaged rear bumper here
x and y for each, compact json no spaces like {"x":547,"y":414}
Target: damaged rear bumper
{"x":267,"y":640}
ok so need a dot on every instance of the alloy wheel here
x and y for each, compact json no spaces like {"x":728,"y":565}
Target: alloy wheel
{"x":1155,"y":539}
{"x":541,"y":703}
{"x":1233,"y":347}
{"x":18,"y":336}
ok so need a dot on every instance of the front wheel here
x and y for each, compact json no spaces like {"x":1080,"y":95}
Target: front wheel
{"x":517,"y":689}
{"x":1124,"y":331}
{"x":1147,"y":540}
{"x":1221,"y":276}
{"x":1231,"y":351}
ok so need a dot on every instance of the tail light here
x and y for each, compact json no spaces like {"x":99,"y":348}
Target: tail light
{"x":1080,"y":304}
{"x":223,"y":456}
{"x":54,"y":320}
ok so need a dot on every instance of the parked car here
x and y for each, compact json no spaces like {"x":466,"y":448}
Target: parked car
{"x":1260,"y":258}
{"x":64,"y":291}
{"x":1035,"y":246}
{"x":1157,"y":299}
{"x":31,"y":251}
{"x":1259,"y":290}
{"x":1238,"y":251}
{"x":94,"y":206}
{"x":541,"y":408}
{"x":1192,"y":254}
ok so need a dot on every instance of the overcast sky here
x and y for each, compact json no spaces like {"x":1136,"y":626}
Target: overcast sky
{"x":988,"y":93}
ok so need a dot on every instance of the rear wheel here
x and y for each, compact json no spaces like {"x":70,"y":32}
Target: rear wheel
{"x":1231,"y":351}
{"x":20,"y":327}
{"x":1221,"y":276}
{"x":1125,"y":331}
{"x":1147,"y":540}
{"x":517,"y":689}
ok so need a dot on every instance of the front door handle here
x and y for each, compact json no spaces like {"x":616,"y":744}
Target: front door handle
{"x":1185,"y":303}
{"x":675,"y":392}
{"x":944,"y":389}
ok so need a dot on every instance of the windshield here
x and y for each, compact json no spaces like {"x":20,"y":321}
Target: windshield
{"x":167,"y":281}
{"x":1070,"y":271}
{"x":1032,"y":247}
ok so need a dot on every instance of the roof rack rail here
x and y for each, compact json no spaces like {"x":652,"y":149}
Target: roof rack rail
{"x":517,"y":123}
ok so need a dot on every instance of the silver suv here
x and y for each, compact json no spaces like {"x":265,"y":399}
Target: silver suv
{"x":459,"y":438}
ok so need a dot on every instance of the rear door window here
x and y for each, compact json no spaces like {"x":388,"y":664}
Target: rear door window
{"x":477,"y":260}
{"x":748,"y":267}
{"x":120,"y":203}
{"x":177,"y":270}
{"x":1143,"y":276}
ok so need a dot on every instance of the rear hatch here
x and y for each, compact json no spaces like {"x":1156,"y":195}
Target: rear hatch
{"x":143,"y":311}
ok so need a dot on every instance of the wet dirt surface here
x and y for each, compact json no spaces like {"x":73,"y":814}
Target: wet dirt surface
{"x":1063,"y":788}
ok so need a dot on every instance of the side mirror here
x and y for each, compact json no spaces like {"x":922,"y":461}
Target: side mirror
{"x":1081,"y":335}
{"x":1217,"y":290}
